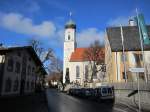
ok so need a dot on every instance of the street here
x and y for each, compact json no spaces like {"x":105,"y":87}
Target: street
{"x":61,"y":102}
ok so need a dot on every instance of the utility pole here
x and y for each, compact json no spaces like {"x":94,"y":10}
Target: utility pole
{"x":142,"y":48}
{"x":139,"y":92}
{"x":124,"y":57}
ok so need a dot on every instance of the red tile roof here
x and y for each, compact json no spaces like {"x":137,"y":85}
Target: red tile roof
{"x":78,"y":55}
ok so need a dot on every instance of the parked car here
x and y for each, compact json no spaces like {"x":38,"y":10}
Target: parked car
{"x":105,"y":93}
{"x":102,"y":93}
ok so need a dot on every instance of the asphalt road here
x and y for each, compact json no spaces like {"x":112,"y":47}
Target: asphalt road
{"x":61,"y":102}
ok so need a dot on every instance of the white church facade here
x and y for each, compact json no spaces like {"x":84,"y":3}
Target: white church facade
{"x":75,"y":67}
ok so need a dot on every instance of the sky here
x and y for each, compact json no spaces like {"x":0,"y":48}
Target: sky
{"x":44,"y":20}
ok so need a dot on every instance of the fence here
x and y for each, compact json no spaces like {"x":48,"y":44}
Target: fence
{"x":131,"y":86}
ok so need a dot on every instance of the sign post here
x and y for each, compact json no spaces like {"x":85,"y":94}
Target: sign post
{"x":138,"y":70}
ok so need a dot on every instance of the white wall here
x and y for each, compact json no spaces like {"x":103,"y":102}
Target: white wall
{"x":81,"y":79}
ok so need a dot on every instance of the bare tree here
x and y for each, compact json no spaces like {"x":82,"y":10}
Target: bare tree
{"x":45,"y":56}
{"x":56,"y":67}
{"x":95,"y":55}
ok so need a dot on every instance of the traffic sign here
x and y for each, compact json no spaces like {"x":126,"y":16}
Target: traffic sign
{"x":136,"y":70}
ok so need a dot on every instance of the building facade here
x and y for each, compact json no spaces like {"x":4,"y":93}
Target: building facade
{"x":117,"y":62}
{"x":19,"y":70}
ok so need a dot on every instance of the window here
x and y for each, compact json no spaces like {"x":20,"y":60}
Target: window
{"x":68,"y":37}
{"x":32,"y":85}
{"x":29,"y":70}
{"x":19,"y":54}
{"x":138,"y":57}
{"x":141,"y":75}
{"x":29,"y":58}
{"x":67,"y":77}
{"x":104,"y":90}
{"x":122,"y":57}
{"x":17,"y":68}
{"x":8,"y":84}
{"x":123,"y":75}
{"x":109,"y":91}
{"x":77,"y":71}
{"x":33,"y":70}
{"x":16,"y":85}
{"x":10,"y":65}
{"x":27,"y":85}
{"x":86,"y":72}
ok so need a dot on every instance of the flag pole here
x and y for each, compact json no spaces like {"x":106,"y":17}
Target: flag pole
{"x":124,"y":58}
{"x":142,"y":48}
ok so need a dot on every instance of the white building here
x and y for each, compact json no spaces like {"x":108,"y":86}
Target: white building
{"x":76,"y":67}
{"x":18,"y":70}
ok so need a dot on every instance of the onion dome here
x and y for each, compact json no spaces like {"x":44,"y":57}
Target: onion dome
{"x":70,"y":24}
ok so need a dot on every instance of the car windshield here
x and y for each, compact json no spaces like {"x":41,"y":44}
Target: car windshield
{"x":104,"y":90}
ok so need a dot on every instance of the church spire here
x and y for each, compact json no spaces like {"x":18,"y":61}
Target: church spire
{"x":70,"y":23}
{"x":70,"y":14}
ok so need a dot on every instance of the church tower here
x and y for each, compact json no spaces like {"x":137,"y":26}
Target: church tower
{"x":69,"y":47}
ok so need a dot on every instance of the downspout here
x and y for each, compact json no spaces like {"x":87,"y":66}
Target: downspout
{"x":117,"y":65}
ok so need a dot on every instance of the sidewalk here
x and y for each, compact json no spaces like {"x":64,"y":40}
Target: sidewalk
{"x":36,"y":102}
{"x":132,"y":105}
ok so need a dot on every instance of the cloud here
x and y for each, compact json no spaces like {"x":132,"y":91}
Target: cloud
{"x":58,"y":39}
{"x":88,"y":36}
{"x":118,"y":21}
{"x":25,"y":6}
{"x":20,"y":24}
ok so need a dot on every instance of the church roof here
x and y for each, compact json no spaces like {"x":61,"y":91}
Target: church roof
{"x":78,"y":55}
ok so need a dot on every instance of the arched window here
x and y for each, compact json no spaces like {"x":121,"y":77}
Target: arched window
{"x":17,"y":68}
{"x":33,"y":71}
{"x":68,"y":37}
{"x":86,"y":72}
{"x":67,"y":77}
{"x":29,"y":70}
{"x":10,"y":65}
{"x":16,"y":85}
{"x":77,"y":72}
{"x":27,"y":85}
{"x":32,"y":84}
{"x":8,"y":84}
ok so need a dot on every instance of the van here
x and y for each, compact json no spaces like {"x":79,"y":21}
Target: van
{"x":104,"y":93}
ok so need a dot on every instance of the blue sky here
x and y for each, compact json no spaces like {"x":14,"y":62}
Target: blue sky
{"x":21,"y":20}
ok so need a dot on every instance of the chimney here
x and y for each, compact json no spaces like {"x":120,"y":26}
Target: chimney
{"x":131,"y":22}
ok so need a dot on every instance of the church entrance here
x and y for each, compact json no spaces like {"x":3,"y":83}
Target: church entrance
{"x":67,"y":76}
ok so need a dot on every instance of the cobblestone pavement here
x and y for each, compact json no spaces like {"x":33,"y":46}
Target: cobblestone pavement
{"x":30,"y":103}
